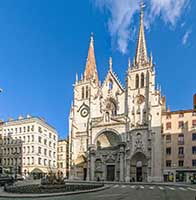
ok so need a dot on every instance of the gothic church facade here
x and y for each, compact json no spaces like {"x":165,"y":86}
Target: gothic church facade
{"x":115,"y":131}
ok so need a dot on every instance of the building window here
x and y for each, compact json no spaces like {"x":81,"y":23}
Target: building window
{"x":194,"y":150}
{"x":28,"y":149}
{"x":32,"y":160}
{"x":39,"y":139}
{"x":181,"y":139}
{"x":32,"y":149}
{"x":50,"y":135}
{"x":181,"y":163}
{"x":61,"y":149}
{"x":194,"y":163}
{"x":39,"y":161}
{"x":86,"y":91}
{"x":32,"y":138}
{"x":181,"y":115}
{"x":45,"y":141}
{"x":16,"y":130}
{"x":45,"y":162}
{"x":40,"y":129}
{"x":39,"y":150}
{"x":32,"y":128}
{"x":24,"y":128}
{"x":181,"y":151}
{"x":137,"y":81}
{"x":168,"y":125}
{"x":194,"y":123}
{"x":168,"y":138}
{"x":194,"y":136}
{"x":142,"y":80}
{"x":20,"y":130}
{"x":50,"y":153}
{"x":110,"y":85}
{"x":194,"y":114}
{"x":180,"y":124}
{"x":28,"y":128}
{"x":45,"y":152}
{"x":28,"y":138}
{"x":168,"y":116}
{"x":168,"y":163}
{"x":168,"y":150}
{"x":82,"y":92}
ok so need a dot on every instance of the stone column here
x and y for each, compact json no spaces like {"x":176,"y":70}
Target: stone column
{"x":127,"y":179}
{"x":92,"y":165}
{"x":121,"y":163}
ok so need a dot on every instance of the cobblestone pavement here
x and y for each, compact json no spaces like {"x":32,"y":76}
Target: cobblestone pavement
{"x":132,"y":192}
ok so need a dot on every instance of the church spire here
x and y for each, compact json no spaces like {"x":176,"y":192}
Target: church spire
{"x":141,"y":57}
{"x":91,"y":69}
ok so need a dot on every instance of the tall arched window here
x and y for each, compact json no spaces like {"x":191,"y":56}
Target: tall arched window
{"x":137,"y":81}
{"x":86,"y":91}
{"x":110,"y":85}
{"x":142,"y":80}
{"x":82,"y":92}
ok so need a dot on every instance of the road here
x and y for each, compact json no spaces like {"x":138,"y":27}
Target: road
{"x":133,"y":192}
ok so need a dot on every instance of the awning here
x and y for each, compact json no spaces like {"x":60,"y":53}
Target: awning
{"x":37,"y":171}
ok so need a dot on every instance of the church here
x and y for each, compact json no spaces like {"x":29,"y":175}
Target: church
{"x":115,"y":130}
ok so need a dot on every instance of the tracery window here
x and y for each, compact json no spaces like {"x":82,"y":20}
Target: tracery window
{"x":142,"y":80}
{"x":137,"y":81}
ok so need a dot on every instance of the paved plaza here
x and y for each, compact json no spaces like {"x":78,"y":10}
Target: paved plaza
{"x":132,"y":192}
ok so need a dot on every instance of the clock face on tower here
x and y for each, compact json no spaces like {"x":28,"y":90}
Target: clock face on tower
{"x":84,"y":110}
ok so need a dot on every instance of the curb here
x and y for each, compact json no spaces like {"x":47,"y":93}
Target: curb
{"x":16,"y":195}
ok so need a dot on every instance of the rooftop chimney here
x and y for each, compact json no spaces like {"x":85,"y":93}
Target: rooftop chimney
{"x":194,"y":101}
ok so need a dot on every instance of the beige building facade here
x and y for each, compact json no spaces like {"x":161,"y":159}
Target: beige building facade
{"x":115,"y":131}
{"x":179,"y":145}
{"x":29,"y":146}
{"x":63,"y":157}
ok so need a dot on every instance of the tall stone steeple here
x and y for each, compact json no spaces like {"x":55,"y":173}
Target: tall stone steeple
{"x":91,"y":69}
{"x":141,"y":57}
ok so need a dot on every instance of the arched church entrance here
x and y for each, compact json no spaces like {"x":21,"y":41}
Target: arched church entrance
{"x":107,"y":146}
{"x":81,"y":167}
{"x":138,"y":170}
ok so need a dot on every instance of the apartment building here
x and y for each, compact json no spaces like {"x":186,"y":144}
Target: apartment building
{"x":179,"y":144}
{"x":63,"y":157}
{"x":29,"y":146}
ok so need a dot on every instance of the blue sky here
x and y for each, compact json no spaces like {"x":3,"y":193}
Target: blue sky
{"x":44,"y":43}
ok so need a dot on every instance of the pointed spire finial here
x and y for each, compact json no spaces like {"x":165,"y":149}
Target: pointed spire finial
{"x":141,"y":57}
{"x":110,"y":63}
{"x":91,"y":69}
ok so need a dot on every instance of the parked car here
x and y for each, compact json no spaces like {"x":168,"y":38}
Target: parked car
{"x":9,"y":180}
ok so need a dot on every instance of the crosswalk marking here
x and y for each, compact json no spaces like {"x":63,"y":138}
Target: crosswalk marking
{"x":115,"y":186}
{"x":181,"y":188}
{"x":132,"y":186}
{"x":151,"y":188}
{"x":192,"y":189}
{"x":161,"y":188}
{"x":171,"y":188}
{"x":123,"y":186}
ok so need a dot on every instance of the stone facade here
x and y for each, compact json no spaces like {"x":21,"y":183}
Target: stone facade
{"x":115,"y":131}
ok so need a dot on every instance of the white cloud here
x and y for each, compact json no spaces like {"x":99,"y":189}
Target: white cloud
{"x":186,"y":37}
{"x":120,"y":23}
